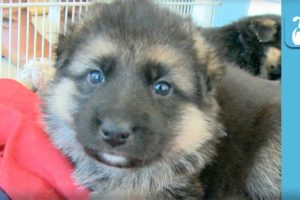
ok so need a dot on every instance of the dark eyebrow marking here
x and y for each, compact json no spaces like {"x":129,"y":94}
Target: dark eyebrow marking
{"x":107,"y":63}
{"x":152,"y":71}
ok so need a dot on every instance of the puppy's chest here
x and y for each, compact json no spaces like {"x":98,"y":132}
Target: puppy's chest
{"x":117,"y":194}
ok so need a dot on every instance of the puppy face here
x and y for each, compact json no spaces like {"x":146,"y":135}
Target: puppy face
{"x":271,"y":64}
{"x":133,"y":89}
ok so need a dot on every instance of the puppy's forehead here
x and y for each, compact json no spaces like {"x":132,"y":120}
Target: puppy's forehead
{"x":138,"y":50}
{"x":266,"y":22}
{"x":93,"y":49}
{"x":167,"y":55}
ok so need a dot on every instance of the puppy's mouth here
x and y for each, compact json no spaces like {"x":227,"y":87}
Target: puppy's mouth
{"x":117,"y":161}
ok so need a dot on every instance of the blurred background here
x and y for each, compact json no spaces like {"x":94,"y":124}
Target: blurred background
{"x":210,"y":13}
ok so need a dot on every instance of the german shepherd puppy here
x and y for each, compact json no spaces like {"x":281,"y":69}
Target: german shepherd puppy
{"x":253,"y":43}
{"x":133,"y":106}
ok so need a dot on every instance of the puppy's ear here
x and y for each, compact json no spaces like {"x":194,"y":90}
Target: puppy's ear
{"x":62,"y":45}
{"x":265,"y":29}
{"x":214,"y":68}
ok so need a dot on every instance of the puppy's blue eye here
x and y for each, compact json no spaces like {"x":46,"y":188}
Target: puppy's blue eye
{"x":162,"y":88}
{"x":96,"y":77}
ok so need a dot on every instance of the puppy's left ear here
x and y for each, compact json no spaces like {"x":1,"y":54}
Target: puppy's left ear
{"x":206,"y":53}
{"x":265,"y":29}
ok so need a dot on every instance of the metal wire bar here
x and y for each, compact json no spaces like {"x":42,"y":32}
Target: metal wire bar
{"x":50,"y":35}
{"x":27,"y":34}
{"x":73,"y":12}
{"x":19,"y":39}
{"x":9,"y":42}
{"x":43,"y":31}
{"x":86,"y":7}
{"x":35,"y":33}
{"x":58,"y":20}
{"x":213,"y":9}
{"x":80,"y":10}
{"x":66,"y":19}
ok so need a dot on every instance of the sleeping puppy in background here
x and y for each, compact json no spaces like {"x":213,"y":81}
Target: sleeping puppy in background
{"x":133,"y":106}
{"x":253,"y":43}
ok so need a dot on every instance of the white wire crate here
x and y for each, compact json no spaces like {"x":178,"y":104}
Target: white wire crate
{"x":29,"y":28}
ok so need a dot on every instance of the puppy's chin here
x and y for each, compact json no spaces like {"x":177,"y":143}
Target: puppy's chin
{"x":114,"y":160}
{"x":118,"y":161}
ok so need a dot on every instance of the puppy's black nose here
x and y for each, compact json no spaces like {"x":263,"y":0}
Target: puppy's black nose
{"x":275,"y":74}
{"x":115,"y":138}
{"x":115,"y":133}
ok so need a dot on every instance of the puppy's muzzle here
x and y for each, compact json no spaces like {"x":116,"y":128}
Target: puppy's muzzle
{"x":275,"y":73}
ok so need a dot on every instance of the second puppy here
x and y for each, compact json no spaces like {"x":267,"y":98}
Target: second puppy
{"x":253,"y":43}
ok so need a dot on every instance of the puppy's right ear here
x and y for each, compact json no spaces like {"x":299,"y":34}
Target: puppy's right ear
{"x":62,"y":45}
{"x":61,"y":50}
{"x":206,"y":53}
{"x":265,"y":29}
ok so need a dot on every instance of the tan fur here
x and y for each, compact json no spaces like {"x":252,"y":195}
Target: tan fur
{"x":266,"y":22}
{"x":272,"y":59}
{"x":99,"y":46}
{"x":193,"y":130}
{"x":169,"y":57}
{"x":206,"y":54}
{"x":266,"y":174}
{"x":62,"y":102}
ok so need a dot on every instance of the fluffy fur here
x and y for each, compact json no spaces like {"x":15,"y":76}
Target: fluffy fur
{"x":250,"y":43}
{"x":172,"y":138}
{"x":248,"y":162}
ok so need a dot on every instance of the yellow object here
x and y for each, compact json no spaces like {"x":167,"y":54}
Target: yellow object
{"x":39,"y":10}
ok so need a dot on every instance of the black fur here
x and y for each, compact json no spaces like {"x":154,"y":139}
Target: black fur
{"x":250,"y":113}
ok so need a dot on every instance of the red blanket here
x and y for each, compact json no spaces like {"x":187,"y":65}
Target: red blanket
{"x":30,"y":166}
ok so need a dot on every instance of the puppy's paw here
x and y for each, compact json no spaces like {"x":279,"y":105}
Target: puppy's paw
{"x":37,"y":73}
